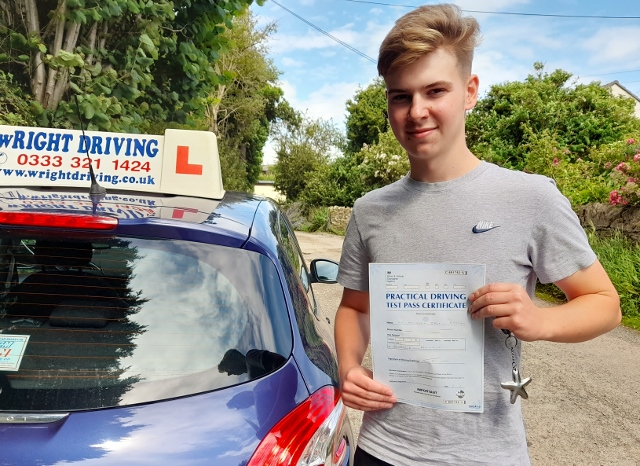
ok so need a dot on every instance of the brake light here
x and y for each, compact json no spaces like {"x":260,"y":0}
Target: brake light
{"x":58,"y":220}
{"x":310,"y":435}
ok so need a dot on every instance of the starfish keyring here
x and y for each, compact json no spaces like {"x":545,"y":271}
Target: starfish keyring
{"x":517,"y":386}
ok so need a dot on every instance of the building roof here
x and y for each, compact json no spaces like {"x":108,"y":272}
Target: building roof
{"x":617,"y":83}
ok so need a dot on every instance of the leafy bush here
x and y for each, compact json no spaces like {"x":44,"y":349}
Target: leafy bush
{"x":15,"y":108}
{"x":384,"y":162}
{"x":234,"y":168}
{"x":581,"y":181}
{"x":318,"y":219}
{"x":336,"y":184}
{"x":366,"y":118}
{"x":621,"y":162}
{"x":343,"y":181}
{"x":501,"y":126}
{"x":303,"y":149}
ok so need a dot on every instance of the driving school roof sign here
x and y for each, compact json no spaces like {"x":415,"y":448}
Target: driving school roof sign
{"x":183,"y":162}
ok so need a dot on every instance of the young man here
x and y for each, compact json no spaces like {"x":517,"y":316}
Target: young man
{"x":429,"y":216}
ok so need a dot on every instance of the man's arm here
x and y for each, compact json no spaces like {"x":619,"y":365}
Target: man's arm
{"x":352,"y":330}
{"x":593,"y":308}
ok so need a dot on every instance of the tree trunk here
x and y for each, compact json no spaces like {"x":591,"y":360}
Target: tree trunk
{"x":7,"y":15}
{"x":57,"y":45}
{"x":212,"y":110}
{"x":38,"y":72}
{"x":62,"y":83}
{"x":103,"y":38}
{"x":92,"y":43}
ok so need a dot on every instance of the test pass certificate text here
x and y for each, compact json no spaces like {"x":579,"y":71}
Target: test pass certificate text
{"x":425,"y":346}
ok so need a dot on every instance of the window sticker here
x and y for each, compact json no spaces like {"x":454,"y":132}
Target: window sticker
{"x":12,"y":349}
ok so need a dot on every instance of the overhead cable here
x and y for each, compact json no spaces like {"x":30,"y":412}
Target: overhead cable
{"x":353,"y":49}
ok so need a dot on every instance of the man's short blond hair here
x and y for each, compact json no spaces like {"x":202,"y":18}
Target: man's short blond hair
{"x":426,"y":29}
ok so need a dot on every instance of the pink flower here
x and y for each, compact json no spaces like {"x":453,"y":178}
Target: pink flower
{"x":631,"y":180}
{"x":631,"y":141}
{"x":622,"y":167}
{"x":616,"y":199}
{"x":555,"y":162}
{"x":607,"y":165}
{"x":636,"y":157}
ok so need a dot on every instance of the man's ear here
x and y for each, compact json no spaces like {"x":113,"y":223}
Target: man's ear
{"x":472,"y":92}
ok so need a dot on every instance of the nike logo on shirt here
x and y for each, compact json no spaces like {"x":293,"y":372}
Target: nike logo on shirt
{"x":482,"y":226}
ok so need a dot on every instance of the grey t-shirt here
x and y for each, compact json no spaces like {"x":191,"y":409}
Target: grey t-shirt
{"x":537,"y":235}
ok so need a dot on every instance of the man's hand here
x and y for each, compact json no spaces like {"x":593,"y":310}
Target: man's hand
{"x":511,"y":307}
{"x":360,"y":391}
{"x":593,"y":308}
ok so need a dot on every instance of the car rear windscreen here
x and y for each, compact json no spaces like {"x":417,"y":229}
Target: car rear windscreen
{"x":88,"y":323}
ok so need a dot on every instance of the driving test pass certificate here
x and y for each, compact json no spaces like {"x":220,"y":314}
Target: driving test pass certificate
{"x":425,"y":346}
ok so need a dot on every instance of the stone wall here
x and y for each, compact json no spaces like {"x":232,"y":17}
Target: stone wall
{"x":607,"y":218}
{"x":338,"y":218}
{"x":603,"y":217}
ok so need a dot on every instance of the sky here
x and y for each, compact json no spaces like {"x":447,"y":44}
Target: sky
{"x":320,"y":72}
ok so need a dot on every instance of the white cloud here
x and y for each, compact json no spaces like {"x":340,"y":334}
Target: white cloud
{"x":366,"y":40}
{"x":519,"y":45}
{"x":614,"y":45}
{"x":523,"y":33}
{"x":285,"y":43}
{"x":492,"y":67}
{"x":376,"y":11}
{"x":372,"y":36}
{"x":313,"y":40}
{"x":289,"y":91}
{"x":327,"y":102}
{"x":328,"y":53}
{"x":291,"y":63}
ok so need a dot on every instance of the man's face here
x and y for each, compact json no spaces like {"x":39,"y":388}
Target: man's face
{"x":427,"y":101}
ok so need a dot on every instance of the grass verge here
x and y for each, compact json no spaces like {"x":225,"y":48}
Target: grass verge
{"x":620,"y":257}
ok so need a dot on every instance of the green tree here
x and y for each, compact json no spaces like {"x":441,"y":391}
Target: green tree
{"x":366,"y":117}
{"x":579,"y":117}
{"x":129,"y":61}
{"x":241,"y":109}
{"x":301,"y":150}
{"x":347,"y":178}
{"x":248,"y":72}
{"x":338,"y":183}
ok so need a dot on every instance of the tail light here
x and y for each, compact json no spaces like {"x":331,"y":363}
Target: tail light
{"x":310,"y":435}
{"x":58,"y":220}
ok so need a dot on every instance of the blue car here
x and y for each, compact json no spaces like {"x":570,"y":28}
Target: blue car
{"x":166,"y":322}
